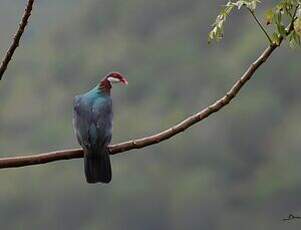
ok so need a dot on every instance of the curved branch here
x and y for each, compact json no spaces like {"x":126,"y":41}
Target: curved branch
{"x":21,"y":161}
{"x":16,"y":38}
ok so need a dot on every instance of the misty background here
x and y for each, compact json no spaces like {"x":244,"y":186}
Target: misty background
{"x":238,"y":169}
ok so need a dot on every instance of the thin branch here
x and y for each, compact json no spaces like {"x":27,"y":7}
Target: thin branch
{"x":16,"y":38}
{"x":150,"y":140}
{"x":260,"y":25}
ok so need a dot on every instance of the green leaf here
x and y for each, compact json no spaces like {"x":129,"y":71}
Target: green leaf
{"x":294,"y":40}
{"x":269,"y":15}
{"x":297,"y":26}
{"x":217,"y":31}
{"x":251,"y":4}
{"x":281,"y":30}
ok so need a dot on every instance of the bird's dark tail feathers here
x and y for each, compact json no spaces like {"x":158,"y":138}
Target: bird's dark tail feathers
{"x":98,"y":167}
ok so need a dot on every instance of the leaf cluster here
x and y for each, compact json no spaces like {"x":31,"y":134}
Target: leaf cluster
{"x":284,"y":19}
{"x":217,"y":31}
{"x":285,"y":10}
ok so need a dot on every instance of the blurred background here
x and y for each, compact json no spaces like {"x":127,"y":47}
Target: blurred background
{"x":238,"y":169}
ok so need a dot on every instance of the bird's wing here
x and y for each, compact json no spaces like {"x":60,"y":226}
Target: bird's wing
{"x":92,"y":122}
{"x":80,"y":122}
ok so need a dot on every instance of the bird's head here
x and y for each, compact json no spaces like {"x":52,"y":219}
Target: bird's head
{"x":112,"y":78}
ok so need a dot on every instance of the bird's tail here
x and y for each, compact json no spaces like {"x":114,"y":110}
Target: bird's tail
{"x":98,"y":167}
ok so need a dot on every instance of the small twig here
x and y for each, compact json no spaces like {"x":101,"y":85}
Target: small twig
{"x":291,"y":217}
{"x":16,"y":38}
{"x":260,"y":25}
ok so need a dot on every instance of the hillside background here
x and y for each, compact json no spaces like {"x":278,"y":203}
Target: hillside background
{"x":239,"y":169}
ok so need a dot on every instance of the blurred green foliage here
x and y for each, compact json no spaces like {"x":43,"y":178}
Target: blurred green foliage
{"x":285,"y":17}
{"x":239,"y":169}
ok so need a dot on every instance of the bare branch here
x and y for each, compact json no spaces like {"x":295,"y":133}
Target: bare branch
{"x":150,"y":140}
{"x":16,"y":38}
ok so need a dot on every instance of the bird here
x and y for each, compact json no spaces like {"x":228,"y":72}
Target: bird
{"x":92,"y":124}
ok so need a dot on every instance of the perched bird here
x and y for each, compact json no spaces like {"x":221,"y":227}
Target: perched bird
{"x":92,"y":122}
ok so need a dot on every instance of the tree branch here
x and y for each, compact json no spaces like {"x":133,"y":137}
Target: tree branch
{"x":21,"y":161}
{"x":16,"y":38}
